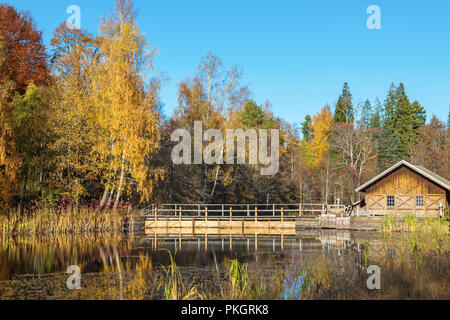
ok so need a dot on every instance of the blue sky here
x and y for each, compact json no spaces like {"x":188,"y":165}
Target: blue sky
{"x":297,"y":54}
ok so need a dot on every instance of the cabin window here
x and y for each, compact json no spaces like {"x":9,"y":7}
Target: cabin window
{"x":419,"y":201}
{"x":390,"y":201}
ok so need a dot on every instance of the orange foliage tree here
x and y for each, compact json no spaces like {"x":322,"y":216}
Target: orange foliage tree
{"x":27,"y":60}
{"x":9,"y":161}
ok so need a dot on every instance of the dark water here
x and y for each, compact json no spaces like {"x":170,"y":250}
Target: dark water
{"x":91,"y":254}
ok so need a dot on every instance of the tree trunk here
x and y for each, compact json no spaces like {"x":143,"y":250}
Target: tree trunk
{"x":111,"y":194}
{"x":24,"y":189}
{"x":215,"y":185}
{"x":326,"y":185}
{"x":122,"y":173}
{"x":205,"y":183}
{"x":105,"y":193}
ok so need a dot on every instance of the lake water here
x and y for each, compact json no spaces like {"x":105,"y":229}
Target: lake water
{"x":24,"y":261}
{"x":53,"y":255}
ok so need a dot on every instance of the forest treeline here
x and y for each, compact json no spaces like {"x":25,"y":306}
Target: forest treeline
{"x":82,"y":121}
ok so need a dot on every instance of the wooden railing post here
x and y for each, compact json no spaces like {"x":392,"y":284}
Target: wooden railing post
{"x":282,"y":214}
{"x":180,"y":217}
{"x":231,"y":214}
{"x":206,"y":214}
{"x":156,"y":214}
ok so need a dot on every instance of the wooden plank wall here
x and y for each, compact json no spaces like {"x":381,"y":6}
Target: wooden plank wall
{"x":405,"y":185}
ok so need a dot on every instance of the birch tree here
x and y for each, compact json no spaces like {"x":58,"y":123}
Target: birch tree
{"x":125,"y":106}
{"x":357,"y":147}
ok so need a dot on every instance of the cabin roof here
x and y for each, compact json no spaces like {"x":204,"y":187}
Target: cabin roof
{"x":444,"y":183}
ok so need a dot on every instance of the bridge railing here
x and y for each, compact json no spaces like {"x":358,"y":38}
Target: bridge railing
{"x":244,"y":210}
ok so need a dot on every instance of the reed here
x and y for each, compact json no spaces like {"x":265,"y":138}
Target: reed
{"x":51,"y":221}
{"x":174,"y":287}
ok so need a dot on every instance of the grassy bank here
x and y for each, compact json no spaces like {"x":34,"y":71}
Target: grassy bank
{"x":52,"y":221}
{"x":412,"y":254}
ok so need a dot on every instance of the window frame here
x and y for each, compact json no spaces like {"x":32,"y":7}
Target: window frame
{"x":388,"y":202}
{"x":422,"y":199}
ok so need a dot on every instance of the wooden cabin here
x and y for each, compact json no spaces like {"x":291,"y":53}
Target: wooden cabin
{"x":402,"y":190}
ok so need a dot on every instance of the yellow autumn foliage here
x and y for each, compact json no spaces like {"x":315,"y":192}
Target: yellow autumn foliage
{"x":124,"y":108}
{"x":322,"y":124}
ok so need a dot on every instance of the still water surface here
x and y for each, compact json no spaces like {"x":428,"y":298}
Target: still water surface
{"x":54,"y":255}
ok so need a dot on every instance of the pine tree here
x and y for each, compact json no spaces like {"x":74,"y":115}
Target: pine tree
{"x":307,"y":128}
{"x":448,"y":119}
{"x":403,"y":118}
{"x":376,"y":117}
{"x":366,"y":113}
{"x":388,"y":149}
{"x":389,"y":111}
{"x":344,"y":108}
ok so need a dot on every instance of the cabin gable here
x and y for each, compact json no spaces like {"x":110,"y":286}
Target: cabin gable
{"x":402,"y":191}
{"x":404,"y":181}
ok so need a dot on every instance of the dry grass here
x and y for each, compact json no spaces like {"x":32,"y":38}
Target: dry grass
{"x":58,"y":222}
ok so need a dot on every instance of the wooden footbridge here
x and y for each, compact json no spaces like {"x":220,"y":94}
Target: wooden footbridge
{"x":229,"y":219}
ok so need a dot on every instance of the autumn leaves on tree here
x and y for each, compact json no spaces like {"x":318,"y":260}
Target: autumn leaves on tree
{"x":95,"y":125}
{"x":85,"y":123}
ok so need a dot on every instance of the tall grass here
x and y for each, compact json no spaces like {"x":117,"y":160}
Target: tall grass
{"x":71,"y":220}
{"x":174,"y":287}
{"x":414,"y":264}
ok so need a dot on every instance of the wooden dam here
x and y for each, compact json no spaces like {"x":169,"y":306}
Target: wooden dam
{"x":218,"y":219}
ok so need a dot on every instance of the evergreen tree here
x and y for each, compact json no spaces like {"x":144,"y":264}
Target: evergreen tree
{"x":402,"y":118}
{"x":253,"y":115}
{"x":389,"y":111}
{"x":344,"y":108}
{"x":388,"y":149}
{"x":366,"y":113}
{"x":448,"y":119}
{"x":307,"y":128}
{"x":376,"y":117}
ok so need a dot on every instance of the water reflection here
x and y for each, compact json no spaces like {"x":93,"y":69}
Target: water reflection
{"x":91,"y":254}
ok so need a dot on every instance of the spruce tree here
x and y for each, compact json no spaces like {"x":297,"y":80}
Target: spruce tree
{"x":388,"y":149}
{"x":307,"y":128}
{"x":402,"y":118}
{"x":366,"y":113}
{"x":448,"y":119}
{"x":344,"y":108}
{"x":389,"y":112}
{"x":376,"y":117}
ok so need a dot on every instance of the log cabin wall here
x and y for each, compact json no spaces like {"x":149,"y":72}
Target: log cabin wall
{"x":406,"y":189}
